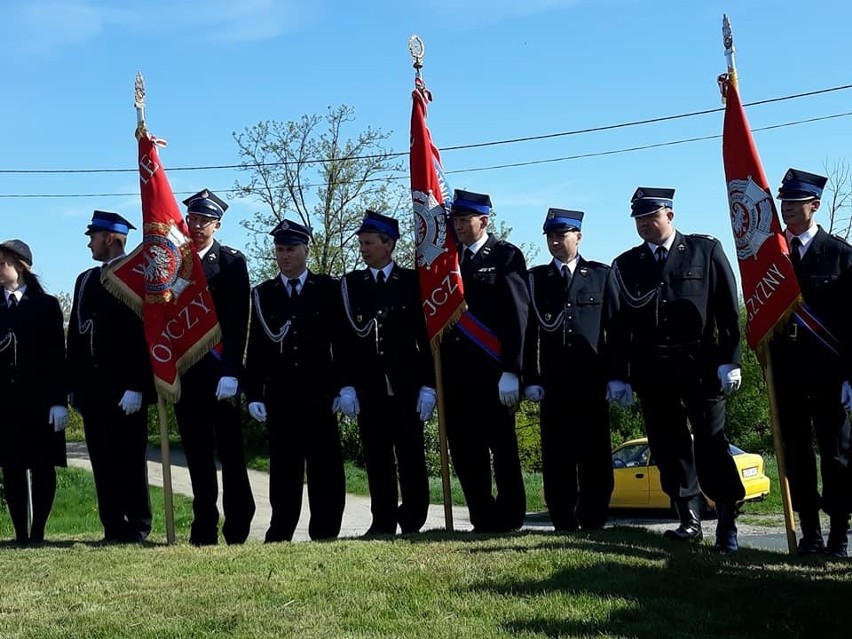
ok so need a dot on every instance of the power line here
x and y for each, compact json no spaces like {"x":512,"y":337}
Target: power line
{"x":492,"y":167}
{"x":475,"y":145}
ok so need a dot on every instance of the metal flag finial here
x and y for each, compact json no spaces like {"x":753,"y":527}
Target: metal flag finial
{"x":139,"y":97}
{"x":728,"y":42}
{"x":417,"y":50}
{"x":139,"y":103}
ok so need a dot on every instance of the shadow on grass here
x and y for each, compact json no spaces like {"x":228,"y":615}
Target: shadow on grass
{"x":685,"y":590}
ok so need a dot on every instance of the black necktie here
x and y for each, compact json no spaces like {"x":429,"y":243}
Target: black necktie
{"x":380,"y":277}
{"x":12,"y":302}
{"x":468,"y":256}
{"x":795,"y":255}
{"x":661,"y":253}
{"x":566,"y":276}
{"x":294,"y":288}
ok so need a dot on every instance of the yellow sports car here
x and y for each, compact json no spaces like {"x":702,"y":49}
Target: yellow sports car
{"x":637,"y":478}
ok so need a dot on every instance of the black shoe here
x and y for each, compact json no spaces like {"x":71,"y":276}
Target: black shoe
{"x":374,"y":532}
{"x":690,"y":522}
{"x":685,"y":533}
{"x":726,"y":528}
{"x":811,"y":544}
{"x":204,"y":541}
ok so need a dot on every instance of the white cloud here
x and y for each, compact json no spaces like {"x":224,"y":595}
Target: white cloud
{"x":46,"y":26}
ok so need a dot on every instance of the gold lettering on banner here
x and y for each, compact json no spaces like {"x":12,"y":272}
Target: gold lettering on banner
{"x":176,"y":328}
{"x":763,"y":290}
{"x":442,"y":293}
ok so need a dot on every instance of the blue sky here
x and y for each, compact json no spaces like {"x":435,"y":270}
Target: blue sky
{"x":498,"y":69}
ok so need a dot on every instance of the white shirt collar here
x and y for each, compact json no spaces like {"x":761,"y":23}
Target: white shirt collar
{"x":805,"y":238}
{"x":474,"y":248}
{"x":301,"y":279}
{"x":386,"y":270}
{"x":17,"y":294}
{"x":205,"y":250}
{"x":572,"y":264}
{"x":667,"y":244}
{"x":115,"y":259}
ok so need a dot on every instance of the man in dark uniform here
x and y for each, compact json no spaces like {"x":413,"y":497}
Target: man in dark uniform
{"x":208,"y":413}
{"x":481,"y":363}
{"x":111,"y":382}
{"x":808,"y":375}
{"x":388,"y":377}
{"x":571,"y":303}
{"x":676,"y":340}
{"x":291,"y":384}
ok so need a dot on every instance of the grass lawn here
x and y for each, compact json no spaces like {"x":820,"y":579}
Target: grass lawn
{"x":622,"y":582}
{"x":617,"y":583}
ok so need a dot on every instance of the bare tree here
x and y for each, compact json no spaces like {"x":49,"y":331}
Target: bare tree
{"x":309,"y":170}
{"x":837,"y":198}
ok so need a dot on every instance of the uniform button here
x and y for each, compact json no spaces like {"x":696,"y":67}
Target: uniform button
{"x":381,"y":339}
{"x":570,"y":330}
{"x":570,"y":317}
{"x":295,"y":348}
{"x":381,"y":352}
{"x":568,"y":305}
{"x":295,"y":364}
{"x":668,"y":338}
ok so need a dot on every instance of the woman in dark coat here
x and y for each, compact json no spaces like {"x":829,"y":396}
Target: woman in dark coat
{"x":32,"y":391}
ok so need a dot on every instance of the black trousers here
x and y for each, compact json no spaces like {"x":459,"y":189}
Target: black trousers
{"x":684,"y":474}
{"x":392,"y":439}
{"x":117,"y":446}
{"x":576,"y":456}
{"x":208,"y":425}
{"x":481,"y":430}
{"x":304,"y":441}
{"x":803,"y":412}
{"x":43,"y":493}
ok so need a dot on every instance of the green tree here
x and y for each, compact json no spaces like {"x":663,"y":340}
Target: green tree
{"x":310,"y":170}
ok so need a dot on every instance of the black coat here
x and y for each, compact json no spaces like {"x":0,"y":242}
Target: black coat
{"x":393,"y":342}
{"x":566,"y":333}
{"x":227,"y":279}
{"x":495,"y":290}
{"x":825,"y":279}
{"x":300,"y":361}
{"x":681,"y":319}
{"x":32,"y":379}
{"x":107,"y":351}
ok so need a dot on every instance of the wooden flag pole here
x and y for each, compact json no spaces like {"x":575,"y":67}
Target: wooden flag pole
{"x":168,"y":505}
{"x":442,"y":442}
{"x":787,"y":503}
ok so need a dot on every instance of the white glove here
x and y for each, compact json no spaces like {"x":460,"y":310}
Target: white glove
{"x":257,"y":410}
{"x":58,"y":418}
{"x":846,"y":396}
{"x":509,"y":388}
{"x":349,"y":402}
{"x":534,"y":393}
{"x":619,"y":392}
{"x":426,"y":403}
{"x":130,"y":402}
{"x":227,"y":388}
{"x":730,"y":376}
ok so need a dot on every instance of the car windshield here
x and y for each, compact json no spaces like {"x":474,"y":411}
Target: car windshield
{"x":629,"y":456}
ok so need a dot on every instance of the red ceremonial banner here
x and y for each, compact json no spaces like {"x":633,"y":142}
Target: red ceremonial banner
{"x":770,"y":289}
{"x":437,"y":258}
{"x":163,"y":280}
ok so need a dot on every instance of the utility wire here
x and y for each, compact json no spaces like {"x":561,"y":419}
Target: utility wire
{"x":493,"y":167}
{"x":476,"y":145}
